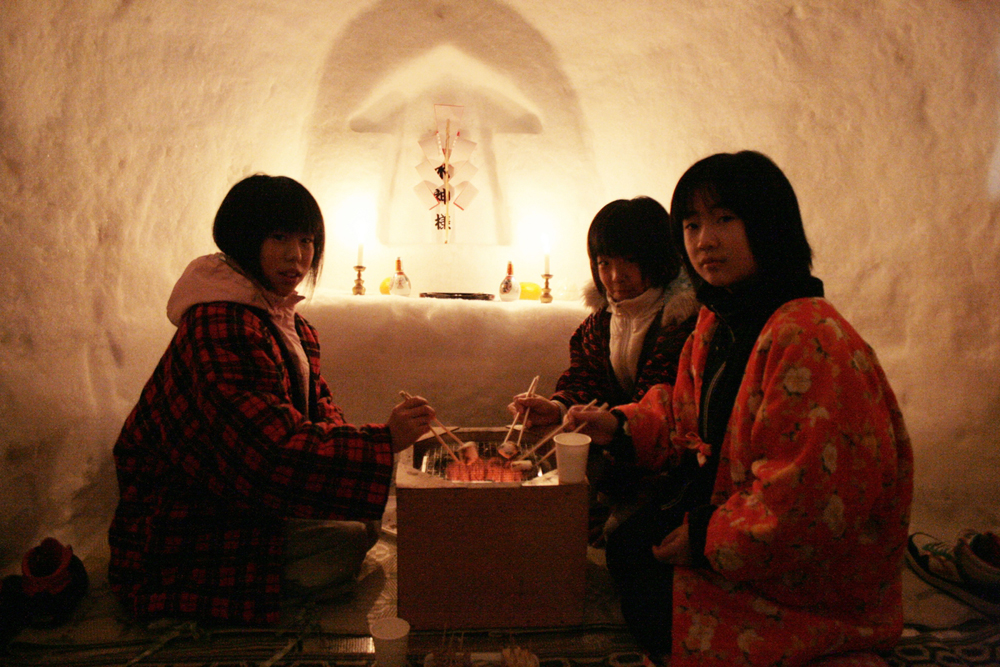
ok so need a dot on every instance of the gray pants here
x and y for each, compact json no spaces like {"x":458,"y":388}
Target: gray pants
{"x":322,"y":558}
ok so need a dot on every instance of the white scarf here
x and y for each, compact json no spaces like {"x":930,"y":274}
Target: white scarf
{"x":283,"y":315}
{"x":630,"y":320}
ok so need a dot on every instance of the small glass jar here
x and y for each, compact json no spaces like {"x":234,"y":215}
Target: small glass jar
{"x":400,"y":285}
{"x":510,"y":288}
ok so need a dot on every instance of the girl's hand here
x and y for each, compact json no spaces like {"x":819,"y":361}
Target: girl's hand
{"x":600,"y":425}
{"x":408,"y":421}
{"x":675,"y":549}
{"x":543,"y":411}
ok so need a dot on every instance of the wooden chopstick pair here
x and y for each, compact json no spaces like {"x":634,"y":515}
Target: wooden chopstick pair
{"x":551,"y":434}
{"x":603,"y":406}
{"x":531,"y":392}
{"x":437,"y":422}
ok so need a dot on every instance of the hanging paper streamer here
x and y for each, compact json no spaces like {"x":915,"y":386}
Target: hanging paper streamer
{"x":446,"y":170}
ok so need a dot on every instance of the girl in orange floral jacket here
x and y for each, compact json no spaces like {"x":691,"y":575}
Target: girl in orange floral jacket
{"x":239,"y":478}
{"x":782,"y":539}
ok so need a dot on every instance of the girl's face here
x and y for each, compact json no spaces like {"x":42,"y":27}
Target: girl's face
{"x":285,"y":259}
{"x":717,"y":245}
{"x":622,"y":278}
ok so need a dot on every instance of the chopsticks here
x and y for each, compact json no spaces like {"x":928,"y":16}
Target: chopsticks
{"x":531,"y":392}
{"x":591,"y":404}
{"x":437,"y":436}
{"x":551,"y":434}
{"x":527,"y":411}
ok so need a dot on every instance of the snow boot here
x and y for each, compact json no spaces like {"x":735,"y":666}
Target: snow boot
{"x":53,"y":583}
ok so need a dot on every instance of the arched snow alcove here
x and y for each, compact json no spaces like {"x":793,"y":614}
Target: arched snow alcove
{"x":536,"y":173}
{"x":403,"y":109}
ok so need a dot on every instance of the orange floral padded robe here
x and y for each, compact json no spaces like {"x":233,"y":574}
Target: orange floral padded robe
{"x":813,"y":492}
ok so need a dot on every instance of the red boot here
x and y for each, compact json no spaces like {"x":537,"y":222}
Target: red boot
{"x":53,"y":584}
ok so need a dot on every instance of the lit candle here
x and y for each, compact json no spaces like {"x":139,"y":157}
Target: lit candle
{"x":361,"y":254}
{"x":546,"y":241}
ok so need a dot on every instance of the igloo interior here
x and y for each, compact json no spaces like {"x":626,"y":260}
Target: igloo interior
{"x":125,"y":122}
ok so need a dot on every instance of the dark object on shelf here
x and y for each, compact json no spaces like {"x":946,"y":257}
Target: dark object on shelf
{"x":476,"y":296}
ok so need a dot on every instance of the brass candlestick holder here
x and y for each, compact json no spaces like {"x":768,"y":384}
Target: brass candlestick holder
{"x":359,"y":284}
{"x":546,"y":296}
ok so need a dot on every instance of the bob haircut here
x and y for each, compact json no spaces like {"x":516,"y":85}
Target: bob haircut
{"x":259,"y":206}
{"x":753,"y":187}
{"x":637,"y":230}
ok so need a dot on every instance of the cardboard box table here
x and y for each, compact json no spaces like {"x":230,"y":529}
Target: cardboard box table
{"x":488,"y":554}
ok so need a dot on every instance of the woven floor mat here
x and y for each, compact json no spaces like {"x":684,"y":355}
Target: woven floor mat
{"x":941,"y":632}
{"x":186,"y":646}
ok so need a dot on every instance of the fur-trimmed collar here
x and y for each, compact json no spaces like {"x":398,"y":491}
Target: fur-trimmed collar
{"x":217,"y":278}
{"x":679,"y":301}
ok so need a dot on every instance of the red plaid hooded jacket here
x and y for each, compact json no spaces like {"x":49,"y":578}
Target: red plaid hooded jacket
{"x":221,"y":448}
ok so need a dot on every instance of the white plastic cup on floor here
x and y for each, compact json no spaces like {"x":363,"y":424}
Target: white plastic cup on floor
{"x":571,"y":457}
{"x":391,"y":637}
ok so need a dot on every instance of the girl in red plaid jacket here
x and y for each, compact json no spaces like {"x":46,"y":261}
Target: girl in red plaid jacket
{"x":238,"y":476}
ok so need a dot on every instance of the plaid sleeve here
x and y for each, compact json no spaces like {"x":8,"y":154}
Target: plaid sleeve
{"x":251,"y":445}
{"x":588,"y":375}
{"x":326,"y":409}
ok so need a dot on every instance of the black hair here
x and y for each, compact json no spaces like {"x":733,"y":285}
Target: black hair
{"x":260,"y":205}
{"x":752,"y":186}
{"x":638,"y":230}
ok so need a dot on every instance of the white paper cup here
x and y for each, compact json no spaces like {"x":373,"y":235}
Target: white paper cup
{"x":391,"y":637}
{"x":571,"y":457}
